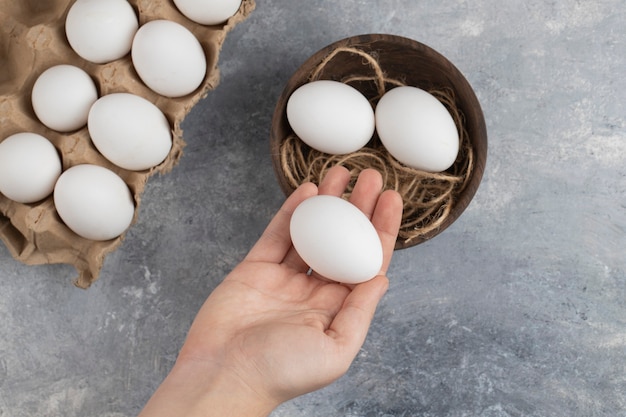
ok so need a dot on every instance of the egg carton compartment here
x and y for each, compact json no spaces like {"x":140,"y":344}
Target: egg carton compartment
{"x":33,"y":39}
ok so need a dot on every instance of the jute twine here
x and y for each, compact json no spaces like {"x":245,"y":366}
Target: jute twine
{"x":428,"y":198}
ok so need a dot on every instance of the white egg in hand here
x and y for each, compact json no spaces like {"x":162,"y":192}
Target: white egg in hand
{"x":336,"y":239}
{"x":205,"y":12}
{"x":29,"y":167}
{"x":101,"y":31}
{"x":417,"y":129}
{"x":331,"y":116}
{"x":62,"y":96}
{"x":168,"y":58}
{"x":94,"y":202}
{"x":129,"y":131}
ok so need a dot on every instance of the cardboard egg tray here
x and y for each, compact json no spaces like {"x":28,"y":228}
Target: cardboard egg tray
{"x":32,"y":39}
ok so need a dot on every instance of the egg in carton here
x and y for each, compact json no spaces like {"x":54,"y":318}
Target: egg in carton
{"x":33,"y":39}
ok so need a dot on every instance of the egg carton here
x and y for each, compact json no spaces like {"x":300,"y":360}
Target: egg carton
{"x":32,"y":39}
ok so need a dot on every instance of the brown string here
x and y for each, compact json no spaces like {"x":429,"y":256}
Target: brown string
{"x":427,"y":197}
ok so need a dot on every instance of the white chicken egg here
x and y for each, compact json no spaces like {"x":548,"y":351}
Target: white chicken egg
{"x":101,"y":31}
{"x":331,"y":116}
{"x":336,"y":239}
{"x":62,"y":96}
{"x":168,"y":58}
{"x":29,"y":167}
{"x":417,"y":129}
{"x":205,"y":12}
{"x":129,"y":131}
{"x":94,"y":202}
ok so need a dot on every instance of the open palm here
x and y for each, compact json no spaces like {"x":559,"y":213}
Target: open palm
{"x":279,"y":330}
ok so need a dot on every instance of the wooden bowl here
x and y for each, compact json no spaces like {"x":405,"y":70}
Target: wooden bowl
{"x":413,"y":63}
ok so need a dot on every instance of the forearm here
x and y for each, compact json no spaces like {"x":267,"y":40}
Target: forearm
{"x":192,"y":390}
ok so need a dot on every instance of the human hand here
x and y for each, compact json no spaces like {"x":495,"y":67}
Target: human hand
{"x":271,"y":332}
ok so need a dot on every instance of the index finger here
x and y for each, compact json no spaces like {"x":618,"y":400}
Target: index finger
{"x":275,"y":241}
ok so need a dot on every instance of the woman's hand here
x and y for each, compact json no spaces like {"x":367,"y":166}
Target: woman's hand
{"x":270,"y":332}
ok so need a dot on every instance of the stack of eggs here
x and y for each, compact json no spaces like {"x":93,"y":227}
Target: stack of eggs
{"x":129,"y":128}
{"x":331,"y":235}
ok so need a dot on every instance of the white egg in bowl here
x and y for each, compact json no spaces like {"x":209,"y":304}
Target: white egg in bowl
{"x":331,"y":116}
{"x":417,"y":129}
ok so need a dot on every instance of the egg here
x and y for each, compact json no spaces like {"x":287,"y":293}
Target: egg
{"x":29,"y":167}
{"x":331,"y":116}
{"x":417,"y":129}
{"x":212,"y":12}
{"x":335,"y":239}
{"x":94,"y":202}
{"x":129,"y":131}
{"x":62,"y":96}
{"x":168,"y":58}
{"x":101,"y":31}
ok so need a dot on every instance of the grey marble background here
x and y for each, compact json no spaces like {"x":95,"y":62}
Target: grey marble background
{"x":518,"y":309}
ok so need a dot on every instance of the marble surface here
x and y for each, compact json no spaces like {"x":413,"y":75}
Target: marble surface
{"x":518,"y":309}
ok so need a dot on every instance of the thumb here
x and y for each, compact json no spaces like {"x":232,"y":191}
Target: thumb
{"x":351,"y":324}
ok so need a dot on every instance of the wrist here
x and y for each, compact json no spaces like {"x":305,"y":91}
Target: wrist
{"x":196,"y":389}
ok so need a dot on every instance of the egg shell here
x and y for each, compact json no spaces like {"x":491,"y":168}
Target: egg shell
{"x":417,"y":129}
{"x":94,"y":202}
{"x":205,"y":12}
{"x":331,"y":116}
{"x":62,"y":96}
{"x":336,"y":239}
{"x":101,"y":31}
{"x":129,"y":131}
{"x":29,"y":167}
{"x":168,"y":58}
